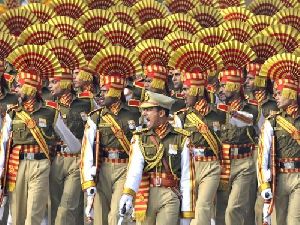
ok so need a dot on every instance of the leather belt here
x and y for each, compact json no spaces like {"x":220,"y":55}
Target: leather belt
{"x":202,"y":152}
{"x":114,"y":155}
{"x":234,"y":151}
{"x":32,"y":156}
{"x":289,"y":165}
{"x":163,"y":180}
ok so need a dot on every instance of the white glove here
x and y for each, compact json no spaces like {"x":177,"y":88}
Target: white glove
{"x":184,"y":221}
{"x":267,"y":194}
{"x":127,"y":201}
{"x":89,"y":209}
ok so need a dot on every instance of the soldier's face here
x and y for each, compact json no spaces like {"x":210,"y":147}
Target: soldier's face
{"x":189,"y":99}
{"x":54,"y":87}
{"x":282,"y":102}
{"x":153,"y":117}
{"x":147,"y":83}
{"x":176,"y":79}
{"x":19,"y":92}
{"x":249,"y":83}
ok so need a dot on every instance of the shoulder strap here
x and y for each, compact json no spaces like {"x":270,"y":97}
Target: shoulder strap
{"x":205,"y":131}
{"x":288,"y":127}
{"x":35,"y":131}
{"x":118,"y":132}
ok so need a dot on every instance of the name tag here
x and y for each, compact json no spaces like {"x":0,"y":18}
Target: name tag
{"x":42,"y":122}
{"x":104,"y":125}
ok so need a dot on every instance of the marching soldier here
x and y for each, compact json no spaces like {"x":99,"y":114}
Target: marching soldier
{"x":259,"y":94}
{"x":28,"y":133}
{"x":204,"y":122}
{"x":65,"y":189}
{"x":160,"y":168}
{"x":104,"y":161}
{"x":278,"y":158}
{"x":237,"y":136}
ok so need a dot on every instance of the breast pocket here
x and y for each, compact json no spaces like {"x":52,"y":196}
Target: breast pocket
{"x":18,"y":129}
{"x":150,"y":150}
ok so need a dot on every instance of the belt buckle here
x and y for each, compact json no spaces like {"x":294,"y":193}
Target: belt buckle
{"x":289,"y":165}
{"x":113,"y":155}
{"x":157,"y":181}
{"x":234,"y":151}
{"x":198,"y":152}
{"x":65,"y":149}
{"x":29,"y":156}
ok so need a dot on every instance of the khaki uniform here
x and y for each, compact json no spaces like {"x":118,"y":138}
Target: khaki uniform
{"x":65,"y":189}
{"x":287,"y":192}
{"x":114,"y":161}
{"x":179,"y":102}
{"x":163,"y":206}
{"x":28,"y":174}
{"x":207,"y":167}
{"x":238,"y":137}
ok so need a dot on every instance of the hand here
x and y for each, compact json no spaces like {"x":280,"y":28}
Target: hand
{"x":125,"y":203}
{"x":89,"y":209}
{"x":267,"y":194}
{"x":184,"y":221}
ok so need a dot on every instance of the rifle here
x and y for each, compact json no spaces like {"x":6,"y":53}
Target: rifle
{"x":5,"y":169}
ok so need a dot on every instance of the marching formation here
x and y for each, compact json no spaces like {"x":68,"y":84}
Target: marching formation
{"x":150,"y":112}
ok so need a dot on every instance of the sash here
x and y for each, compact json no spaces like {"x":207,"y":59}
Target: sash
{"x":118,"y":132}
{"x":288,"y":127}
{"x":205,"y":132}
{"x":35,"y":131}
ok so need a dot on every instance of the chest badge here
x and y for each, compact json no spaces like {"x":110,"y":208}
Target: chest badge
{"x":131,"y":124}
{"x":173,"y":149}
{"x":42,"y":122}
{"x":216,"y":126}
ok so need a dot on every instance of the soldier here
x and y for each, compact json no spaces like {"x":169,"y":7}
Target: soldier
{"x":160,"y":164}
{"x":204,"y":122}
{"x":259,"y":94}
{"x":65,"y":190}
{"x":28,"y":133}
{"x":237,"y":136}
{"x":278,"y":158}
{"x":112,"y":126}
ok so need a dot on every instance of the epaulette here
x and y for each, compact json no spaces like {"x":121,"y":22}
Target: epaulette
{"x":139,"y":84}
{"x":134,"y":103}
{"x":182,"y":131}
{"x":137,"y":132}
{"x":273,"y":114}
{"x":12,"y":107}
{"x":180,"y":111}
{"x":253,"y":102}
{"x":85,"y":94}
{"x":222,"y":107}
{"x":51,"y":104}
{"x":96,"y":110}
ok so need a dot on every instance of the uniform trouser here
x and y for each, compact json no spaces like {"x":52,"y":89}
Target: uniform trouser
{"x":259,"y":204}
{"x":207,"y":181}
{"x":163,"y":207}
{"x":233,"y":204}
{"x":287,"y":199}
{"x":29,"y":199}
{"x":109,"y":191}
{"x":65,"y":190}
